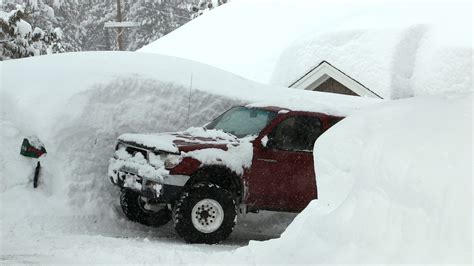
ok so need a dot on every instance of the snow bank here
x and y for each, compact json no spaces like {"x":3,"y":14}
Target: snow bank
{"x":395,"y":186}
{"x":388,"y":46}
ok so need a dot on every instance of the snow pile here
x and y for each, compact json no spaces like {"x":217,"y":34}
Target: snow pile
{"x":395,"y":186}
{"x":78,"y":104}
{"x":396,"y":49}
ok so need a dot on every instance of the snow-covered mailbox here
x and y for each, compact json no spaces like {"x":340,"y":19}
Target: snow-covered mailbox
{"x":32,"y":147}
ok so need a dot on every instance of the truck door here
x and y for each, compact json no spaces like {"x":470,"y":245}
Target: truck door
{"x":282,"y":174}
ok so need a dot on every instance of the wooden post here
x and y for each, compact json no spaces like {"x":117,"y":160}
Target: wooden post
{"x":36,"y":177}
{"x":120,"y":29}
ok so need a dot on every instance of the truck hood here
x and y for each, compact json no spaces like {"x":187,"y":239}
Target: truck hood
{"x":184,"y":141}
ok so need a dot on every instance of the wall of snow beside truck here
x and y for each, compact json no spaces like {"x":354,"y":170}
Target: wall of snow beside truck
{"x":128,"y":105}
{"x":395,"y":186}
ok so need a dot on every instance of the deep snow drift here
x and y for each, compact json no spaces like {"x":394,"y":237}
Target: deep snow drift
{"x":397,"y":49}
{"x":395,"y":186}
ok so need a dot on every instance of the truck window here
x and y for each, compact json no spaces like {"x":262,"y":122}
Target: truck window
{"x":242,"y":121}
{"x":296,"y":133}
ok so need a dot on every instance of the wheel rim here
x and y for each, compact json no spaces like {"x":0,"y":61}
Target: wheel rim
{"x":207,"y":216}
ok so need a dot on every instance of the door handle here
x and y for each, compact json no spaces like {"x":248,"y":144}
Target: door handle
{"x":267,"y":160}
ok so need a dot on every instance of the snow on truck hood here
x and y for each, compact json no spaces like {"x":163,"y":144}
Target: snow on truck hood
{"x":215,"y":147}
{"x":173,"y":142}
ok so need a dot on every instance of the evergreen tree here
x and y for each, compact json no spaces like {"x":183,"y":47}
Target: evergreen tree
{"x":204,"y":6}
{"x":18,"y":39}
{"x":82,"y":21}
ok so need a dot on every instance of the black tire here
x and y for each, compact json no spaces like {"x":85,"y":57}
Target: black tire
{"x":132,"y":206}
{"x":201,"y":193}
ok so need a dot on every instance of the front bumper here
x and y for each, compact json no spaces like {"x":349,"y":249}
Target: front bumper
{"x":165,"y":188}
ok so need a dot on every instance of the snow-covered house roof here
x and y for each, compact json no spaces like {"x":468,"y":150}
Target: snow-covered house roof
{"x":393,"y":49}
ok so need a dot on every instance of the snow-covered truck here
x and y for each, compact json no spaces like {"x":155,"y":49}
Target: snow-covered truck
{"x":248,"y":159}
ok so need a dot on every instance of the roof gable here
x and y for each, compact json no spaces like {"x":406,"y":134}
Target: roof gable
{"x":322,"y":72}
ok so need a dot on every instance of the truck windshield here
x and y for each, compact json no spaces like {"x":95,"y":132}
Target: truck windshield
{"x":242,"y":121}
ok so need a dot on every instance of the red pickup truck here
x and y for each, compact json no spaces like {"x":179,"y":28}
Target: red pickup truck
{"x":247,"y":159}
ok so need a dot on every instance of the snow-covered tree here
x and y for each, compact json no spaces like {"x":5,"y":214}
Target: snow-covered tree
{"x":204,"y":6}
{"x":18,"y":38}
{"x":82,"y":21}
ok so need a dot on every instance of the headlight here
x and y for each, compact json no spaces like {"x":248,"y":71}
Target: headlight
{"x":172,"y":161}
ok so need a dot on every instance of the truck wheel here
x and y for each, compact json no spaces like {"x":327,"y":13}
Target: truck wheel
{"x":205,"y":214}
{"x":133,"y":207}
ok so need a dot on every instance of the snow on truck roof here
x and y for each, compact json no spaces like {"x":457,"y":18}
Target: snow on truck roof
{"x":396,"y":49}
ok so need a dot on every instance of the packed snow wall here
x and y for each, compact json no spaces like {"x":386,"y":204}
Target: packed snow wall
{"x":80,"y":145}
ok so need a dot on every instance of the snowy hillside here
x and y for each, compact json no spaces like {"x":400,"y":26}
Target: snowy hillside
{"x":385,"y":46}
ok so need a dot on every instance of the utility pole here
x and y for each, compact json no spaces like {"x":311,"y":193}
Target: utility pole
{"x":119,"y":25}
{"x":119,"y":29}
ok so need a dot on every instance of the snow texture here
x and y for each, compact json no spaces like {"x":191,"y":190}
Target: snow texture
{"x":387,"y":46}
